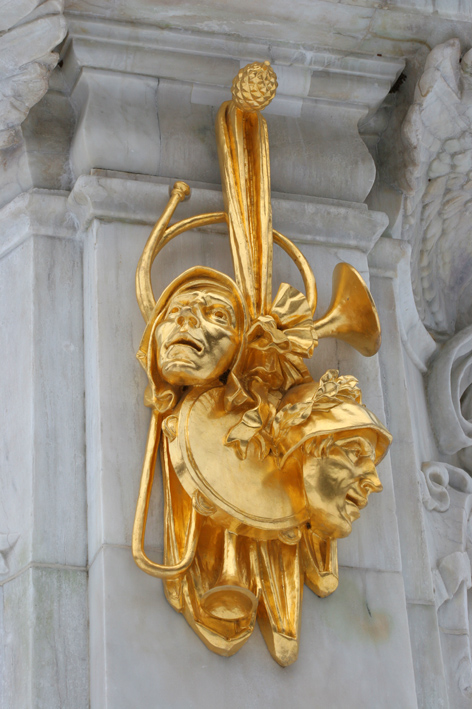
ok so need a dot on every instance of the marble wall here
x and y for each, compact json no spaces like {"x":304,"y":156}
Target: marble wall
{"x":86,"y":172}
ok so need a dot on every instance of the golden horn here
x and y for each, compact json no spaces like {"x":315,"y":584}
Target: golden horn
{"x":195,"y":524}
{"x":352,"y":315}
{"x":144,"y":294}
{"x":229,"y":599}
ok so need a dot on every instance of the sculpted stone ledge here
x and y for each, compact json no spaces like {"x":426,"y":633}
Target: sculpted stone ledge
{"x":311,"y":220}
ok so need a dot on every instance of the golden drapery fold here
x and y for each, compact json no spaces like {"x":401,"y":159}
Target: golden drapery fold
{"x":243,"y":151}
{"x":271,"y":570}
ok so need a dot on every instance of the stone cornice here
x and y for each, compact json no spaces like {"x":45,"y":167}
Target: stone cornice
{"x":311,"y":75}
{"x":38,"y":212}
{"x":398,"y":29}
{"x":313,"y":221}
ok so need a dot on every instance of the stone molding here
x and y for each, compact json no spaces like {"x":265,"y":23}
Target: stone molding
{"x":390,"y":258}
{"x":396,"y":28}
{"x":313,"y":221}
{"x":37,"y":212}
{"x":199,"y":58}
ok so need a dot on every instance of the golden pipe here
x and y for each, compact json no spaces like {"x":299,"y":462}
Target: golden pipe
{"x":139,"y":529}
{"x":302,"y":265}
{"x":281,"y":240}
{"x":190,"y":223}
{"x":229,"y":599}
{"x":144,"y":294}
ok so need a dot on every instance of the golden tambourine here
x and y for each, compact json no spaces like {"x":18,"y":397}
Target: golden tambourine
{"x":249,"y":496}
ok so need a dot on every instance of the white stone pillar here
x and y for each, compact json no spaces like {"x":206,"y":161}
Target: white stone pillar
{"x":406,"y":349}
{"x":43,"y":497}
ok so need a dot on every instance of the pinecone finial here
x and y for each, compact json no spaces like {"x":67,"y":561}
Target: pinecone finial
{"x":254,"y":86}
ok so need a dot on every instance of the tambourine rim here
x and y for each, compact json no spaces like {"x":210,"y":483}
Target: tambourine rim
{"x":199,"y":483}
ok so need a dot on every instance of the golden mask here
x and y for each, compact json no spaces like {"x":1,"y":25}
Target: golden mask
{"x":263,"y":468}
{"x":197,"y":338}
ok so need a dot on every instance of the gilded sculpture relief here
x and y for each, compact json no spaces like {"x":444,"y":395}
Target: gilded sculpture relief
{"x":263,"y":468}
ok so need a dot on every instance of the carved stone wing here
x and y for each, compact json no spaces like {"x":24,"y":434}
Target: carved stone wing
{"x":29,"y":30}
{"x":437,"y":134}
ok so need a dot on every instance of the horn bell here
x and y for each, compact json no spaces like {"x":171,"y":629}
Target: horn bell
{"x":352,"y":315}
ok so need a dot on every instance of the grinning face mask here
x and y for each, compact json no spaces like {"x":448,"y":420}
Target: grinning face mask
{"x":338,"y":483}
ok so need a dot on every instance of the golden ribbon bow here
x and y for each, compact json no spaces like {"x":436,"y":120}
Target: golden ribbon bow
{"x":332,"y":391}
{"x":276,"y":344}
{"x":288,"y":327}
